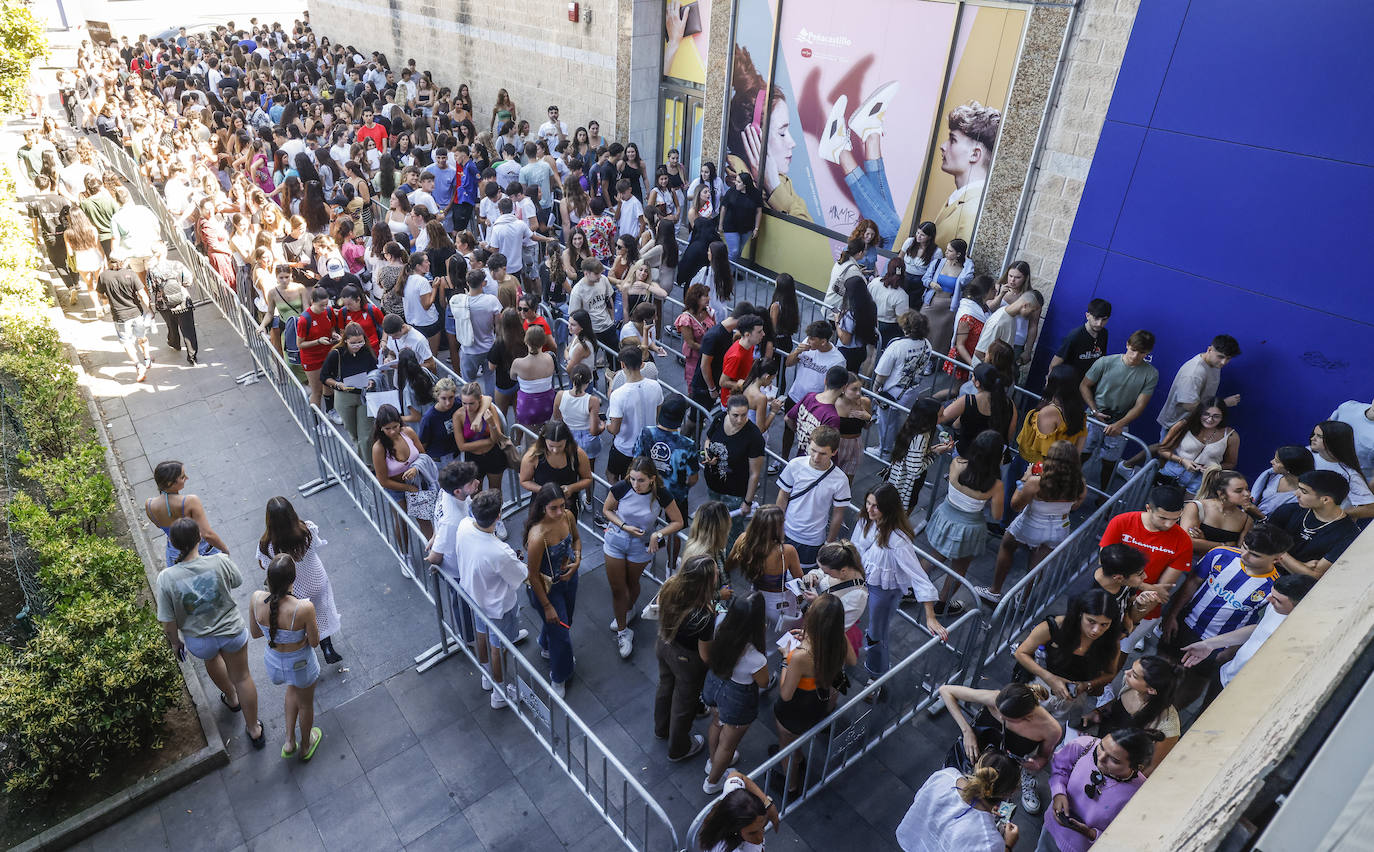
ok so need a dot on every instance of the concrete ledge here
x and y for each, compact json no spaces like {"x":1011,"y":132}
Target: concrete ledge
{"x":184,"y":771}
{"x":1205,"y":784}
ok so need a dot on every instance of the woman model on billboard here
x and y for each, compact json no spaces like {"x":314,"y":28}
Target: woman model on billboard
{"x":745,"y":140}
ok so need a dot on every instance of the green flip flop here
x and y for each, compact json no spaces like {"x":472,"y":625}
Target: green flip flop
{"x":285,"y":752}
{"x":315,"y":736}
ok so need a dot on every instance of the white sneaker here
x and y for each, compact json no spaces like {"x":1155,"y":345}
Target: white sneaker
{"x":625,"y":642}
{"x":335,"y":417}
{"x":559,"y":689}
{"x":835,"y":135}
{"x":868,"y":116}
{"x":698,"y":743}
{"x":629,"y":619}
{"x":521,"y":636}
{"x":544,"y":652}
{"x":987,"y":594}
{"x":1030,"y":796}
{"x":712,"y":789}
{"x":501,"y":531}
{"x":498,"y":700}
{"x":486,"y":682}
{"x":733,"y":760}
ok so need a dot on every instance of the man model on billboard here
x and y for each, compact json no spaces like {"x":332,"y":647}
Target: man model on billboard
{"x":966,"y":155}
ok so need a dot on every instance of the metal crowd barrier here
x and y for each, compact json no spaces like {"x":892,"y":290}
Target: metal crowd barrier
{"x":867,"y":717}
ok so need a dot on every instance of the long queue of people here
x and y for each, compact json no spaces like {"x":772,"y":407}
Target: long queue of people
{"x":536,"y":267}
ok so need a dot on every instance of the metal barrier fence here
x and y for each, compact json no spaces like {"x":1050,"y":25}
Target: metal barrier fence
{"x":848,"y":733}
{"x":896,"y":700}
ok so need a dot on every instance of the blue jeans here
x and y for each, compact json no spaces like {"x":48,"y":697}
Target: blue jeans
{"x":460,"y":614}
{"x":890,"y":421}
{"x":735,"y":242}
{"x":474,"y":368}
{"x":874,"y":198}
{"x":555,"y":638}
{"x":882,"y":603}
{"x":1188,"y":480}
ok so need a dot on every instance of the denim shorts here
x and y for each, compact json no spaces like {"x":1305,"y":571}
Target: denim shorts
{"x":299,"y":668}
{"x":737,"y":703}
{"x":806,"y":553}
{"x":208,"y":647}
{"x":509,"y":623}
{"x":622,"y":545}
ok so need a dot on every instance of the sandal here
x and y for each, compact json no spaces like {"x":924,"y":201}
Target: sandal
{"x":233,"y":708}
{"x":260,"y":741}
{"x":315,"y":736}
{"x":285,"y":752}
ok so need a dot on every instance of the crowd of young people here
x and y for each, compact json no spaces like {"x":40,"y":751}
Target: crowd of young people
{"x":520,"y":277}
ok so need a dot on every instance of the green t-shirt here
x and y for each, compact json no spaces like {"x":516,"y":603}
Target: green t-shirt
{"x":1116,"y":386}
{"x":195,"y":594}
{"x":100,"y":209}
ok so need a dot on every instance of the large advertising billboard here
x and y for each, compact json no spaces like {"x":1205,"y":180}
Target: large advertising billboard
{"x":686,"y":38}
{"x":880,"y":112}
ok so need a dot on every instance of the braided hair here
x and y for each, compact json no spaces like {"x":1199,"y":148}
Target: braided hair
{"x":281,"y":573}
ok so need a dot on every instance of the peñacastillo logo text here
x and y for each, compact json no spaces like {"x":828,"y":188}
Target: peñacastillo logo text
{"x":805,"y":36}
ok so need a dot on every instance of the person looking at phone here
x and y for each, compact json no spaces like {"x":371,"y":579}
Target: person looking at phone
{"x":1010,"y":721}
{"x":967,"y":811}
{"x":1091,"y":780}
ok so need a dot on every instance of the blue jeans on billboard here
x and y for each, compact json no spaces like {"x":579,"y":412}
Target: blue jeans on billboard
{"x":555,"y":638}
{"x":474,"y":368}
{"x":882,"y":603}
{"x":874,"y":199}
{"x":735,"y":242}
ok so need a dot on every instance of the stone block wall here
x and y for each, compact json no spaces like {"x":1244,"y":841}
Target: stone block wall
{"x":528,"y":47}
{"x":1096,"y":48}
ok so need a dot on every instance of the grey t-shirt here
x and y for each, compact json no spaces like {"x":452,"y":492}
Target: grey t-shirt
{"x":1195,"y":382}
{"x":1116,"y":386}
{"x":195,"y":594}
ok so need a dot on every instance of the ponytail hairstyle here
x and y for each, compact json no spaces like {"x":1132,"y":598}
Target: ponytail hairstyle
{"x":1019,"y":700}
{"x":995,"y":778}
{"x":166,"y":474}
{"x":1215,"y":480}
{"x":184,"y":535}
{"x":690,"y":588}
{"x":1138,"y":743}
{"x":581,"y":376}
{"x":281,"y":573}
{"x":990,"y":379}
{"x":838,"y":555}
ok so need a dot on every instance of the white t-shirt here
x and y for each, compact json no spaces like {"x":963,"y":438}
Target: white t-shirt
{"x":1268,"y":623}
{"x":901,"y":362}
{"x":940,"y":821}
{"x":549,"y":131}
{"x":420,"y":198}
{"x":484,"y":308}
{"x":1352,"y":412}
{"x":412,"y":340}
{"x":507,"y":236}
{"x":854,"y":598}
{"x":416,"y":313}
{"x":999,"y":326}
{"x":636,"y":404}
{"x":811,"y":369}
{"x":451,"y":513}
{"x":491,"y":572}
{"x":807,"y":519}
{"x":630,"y":211}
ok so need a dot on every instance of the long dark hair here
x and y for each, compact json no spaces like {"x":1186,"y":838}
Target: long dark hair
{"x":411,"y":374}
{"x":983,"y":464}
{"x":284,"y":530}
{"x":540,"y":503}
{"x":1061,"y":479}
{"x":281,"y":573}
{"x":1070,"y":632}
{"x":666,"y":236}
{"x":824,"y":626}
{"x":894,"y":517}
{"x":785,"y":294}
{"x":386,"y":415}
{"x":925,"y":254}
{"x":743,"y":625}
{"x":1339,"y":439}
{"x":184,"y":535}
{"x":314,"y":209}
{"x":732,"y":814}
{"x":721,"y":272}
{"x":924,"y":417}
{"x":859,"y":303}
{"x":990,"y":379}
{"x":1061,"y":390}
{"x":1162,"y":676}
{"x":584,"y":320}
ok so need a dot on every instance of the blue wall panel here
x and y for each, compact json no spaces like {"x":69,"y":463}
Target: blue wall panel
{"x":1224,"y":211}
{"x":1291,"y":76}
{"x":1230,"y":192}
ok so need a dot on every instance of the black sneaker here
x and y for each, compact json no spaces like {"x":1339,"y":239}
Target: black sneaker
{"x":950,"y":608}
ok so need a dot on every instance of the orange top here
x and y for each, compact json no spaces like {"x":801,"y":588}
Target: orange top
{"x":807,"y":683}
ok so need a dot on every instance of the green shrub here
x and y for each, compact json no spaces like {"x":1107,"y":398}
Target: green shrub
{"x":91,"y":688}
{"x":95,"y":682}
{"x":75,"y":486}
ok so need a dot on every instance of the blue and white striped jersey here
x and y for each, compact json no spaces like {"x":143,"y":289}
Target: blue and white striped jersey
{"x":1230,"y":597}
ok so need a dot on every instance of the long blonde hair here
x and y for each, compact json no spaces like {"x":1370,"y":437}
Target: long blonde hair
{"x":710,"y":532}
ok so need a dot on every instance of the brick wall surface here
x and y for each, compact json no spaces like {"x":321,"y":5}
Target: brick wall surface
{"x":530,"y":48}
{"x":1094,"y":58}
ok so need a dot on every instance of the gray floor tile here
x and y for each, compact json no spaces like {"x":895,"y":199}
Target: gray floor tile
{"x":140,"y":830}
{"x":200,"y":816}
{"x":297,"y":833}
{"x":452,"y":835}
{"x":466,"y":761}
{"x":506,"y":819}
{"x":352,"y":818}
{"x":375,"y":727}
{"x":412,"y":793}
{"x":262,"y":788}
{"x":333,"y":765}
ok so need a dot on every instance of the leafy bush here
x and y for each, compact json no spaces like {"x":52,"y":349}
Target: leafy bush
{"x":92,"y":687}
{"x":95,"y":683}
{"x":22,"y":40}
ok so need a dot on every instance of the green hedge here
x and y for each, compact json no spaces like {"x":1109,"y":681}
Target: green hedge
{"x":95,"y":683}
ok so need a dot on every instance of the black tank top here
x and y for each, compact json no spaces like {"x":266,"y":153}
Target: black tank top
{"x":545,"y":473}
{"x":1061,"y":661}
